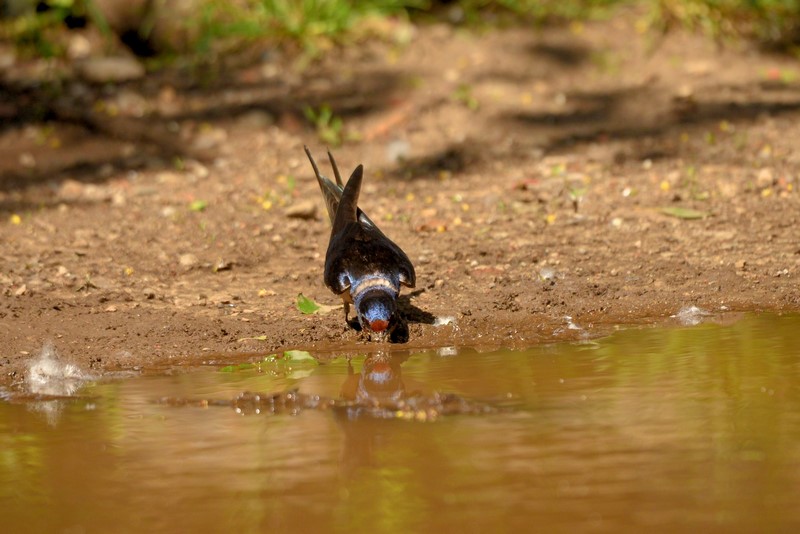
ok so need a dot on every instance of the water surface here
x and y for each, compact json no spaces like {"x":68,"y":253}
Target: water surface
{"x":664,"y":429}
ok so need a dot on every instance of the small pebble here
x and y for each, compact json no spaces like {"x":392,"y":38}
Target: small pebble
{"x":302,"y":210}
{"x":188,"y":260}
{"x":110,"y":69}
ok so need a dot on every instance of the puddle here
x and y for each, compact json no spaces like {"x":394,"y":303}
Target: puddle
{"x":674,"y":429}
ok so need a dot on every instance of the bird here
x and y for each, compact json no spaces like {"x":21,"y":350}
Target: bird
{"x":362,"y":265}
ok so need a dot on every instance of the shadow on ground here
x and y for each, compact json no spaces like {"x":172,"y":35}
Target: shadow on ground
{"x":94,"y":139}
{"x":628,"y":114}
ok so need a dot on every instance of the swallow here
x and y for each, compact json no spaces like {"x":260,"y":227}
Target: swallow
{"x":362,"y":265}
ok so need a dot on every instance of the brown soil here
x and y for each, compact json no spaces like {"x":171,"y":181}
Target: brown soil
{"x":537,"y":166}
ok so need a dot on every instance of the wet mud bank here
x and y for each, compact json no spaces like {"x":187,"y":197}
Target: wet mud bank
{"x":593,"y":193}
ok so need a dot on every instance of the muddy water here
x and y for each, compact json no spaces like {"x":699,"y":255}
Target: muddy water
{"x":668,"y":429}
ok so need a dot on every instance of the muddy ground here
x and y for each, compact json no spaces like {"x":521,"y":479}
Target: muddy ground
{"x":525,"y":172}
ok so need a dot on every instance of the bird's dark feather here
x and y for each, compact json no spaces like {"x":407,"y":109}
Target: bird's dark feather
{"x":357,"y":249}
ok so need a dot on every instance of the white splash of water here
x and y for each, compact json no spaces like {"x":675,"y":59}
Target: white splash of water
{"x":690,"y":315}
{"x":570,"y":324}
{"x":447,"y":351}
{"x":444,"y":320}
{"x":48,"y":375}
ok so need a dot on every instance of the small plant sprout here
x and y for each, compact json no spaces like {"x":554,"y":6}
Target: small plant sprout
{"x":576,"y":195}
{"x":329,"y":127}
{"x":463,"y":94}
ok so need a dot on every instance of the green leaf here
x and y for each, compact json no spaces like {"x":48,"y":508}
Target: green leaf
{"x":306,"y":305}
{"x":234,"y":368}
{"x":291,"y":364}
{"x":298,"y":356}
{"x":296,"y":374}
{"x":198,"y":205}
{"x":684,"y":213}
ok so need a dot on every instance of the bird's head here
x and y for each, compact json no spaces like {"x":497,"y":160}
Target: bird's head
{"x":375,"y":309}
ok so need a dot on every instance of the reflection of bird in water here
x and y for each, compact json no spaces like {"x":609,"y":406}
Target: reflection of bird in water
{"x":377,"y":400}
{"x":380,"y":382}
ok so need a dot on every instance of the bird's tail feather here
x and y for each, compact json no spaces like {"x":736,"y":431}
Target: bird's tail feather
{"x":332,"y":192}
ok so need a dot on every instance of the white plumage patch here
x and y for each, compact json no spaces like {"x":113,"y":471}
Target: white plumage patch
{"x":371,"y":283}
